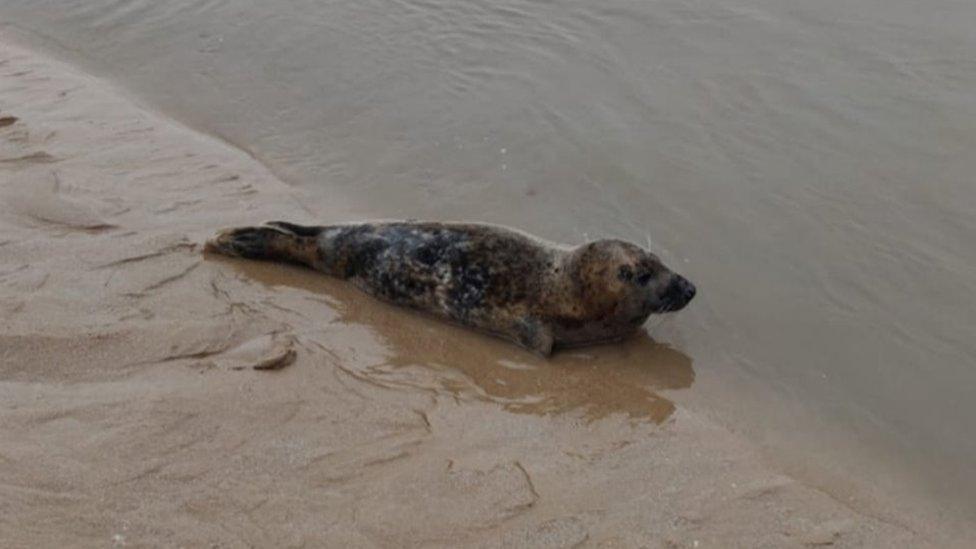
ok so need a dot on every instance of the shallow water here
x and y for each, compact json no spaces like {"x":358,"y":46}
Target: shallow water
{"x":591,"y":383}
{"x":808,"y":164}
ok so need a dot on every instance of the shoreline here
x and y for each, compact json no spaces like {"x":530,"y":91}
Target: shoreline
{"x":135,"y":415}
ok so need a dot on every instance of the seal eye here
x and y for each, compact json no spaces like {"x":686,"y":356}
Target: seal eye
{"x":625,"y":274}
{"x":644,"y":279}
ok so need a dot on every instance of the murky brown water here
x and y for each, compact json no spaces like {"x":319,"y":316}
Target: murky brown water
{"x":808,"y":164}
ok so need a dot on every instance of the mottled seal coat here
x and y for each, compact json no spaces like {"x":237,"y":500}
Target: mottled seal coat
{"x":494,"y":279}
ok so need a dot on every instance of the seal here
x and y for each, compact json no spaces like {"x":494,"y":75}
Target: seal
{"x":494,"y":279}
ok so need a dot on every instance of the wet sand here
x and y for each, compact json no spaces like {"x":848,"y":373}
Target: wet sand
{"x":153,"y":396}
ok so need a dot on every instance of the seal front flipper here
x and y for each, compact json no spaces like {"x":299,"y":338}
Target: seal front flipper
{"x":534,"y":335}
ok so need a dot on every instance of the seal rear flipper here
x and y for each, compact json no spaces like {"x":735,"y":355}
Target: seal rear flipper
{"x":270,"y":243}
{"x":297,"y":230}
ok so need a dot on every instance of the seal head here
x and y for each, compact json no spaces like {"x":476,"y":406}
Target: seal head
{"x":614,"y":287}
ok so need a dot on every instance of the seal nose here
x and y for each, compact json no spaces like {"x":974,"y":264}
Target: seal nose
{"x":681,"y":291}
{"x":688,"y":289}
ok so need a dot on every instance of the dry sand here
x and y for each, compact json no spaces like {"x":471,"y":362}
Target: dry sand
{"x":151,"y":396}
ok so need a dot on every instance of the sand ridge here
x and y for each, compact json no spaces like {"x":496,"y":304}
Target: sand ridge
{"x":153,"y":396}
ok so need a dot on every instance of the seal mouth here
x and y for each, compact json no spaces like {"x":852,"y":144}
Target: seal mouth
{"x":678,"y":295}
{"x":670,"y":306}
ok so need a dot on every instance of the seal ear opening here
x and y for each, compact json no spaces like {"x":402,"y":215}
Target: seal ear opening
{"x":297,"y":230}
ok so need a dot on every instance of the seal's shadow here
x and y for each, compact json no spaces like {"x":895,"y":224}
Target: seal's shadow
{"x":597,"y":381}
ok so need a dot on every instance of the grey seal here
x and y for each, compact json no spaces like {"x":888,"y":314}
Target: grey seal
{"x":494,"y":279}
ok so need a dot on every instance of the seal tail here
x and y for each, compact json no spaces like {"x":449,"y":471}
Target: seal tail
{"x":275,"y":241}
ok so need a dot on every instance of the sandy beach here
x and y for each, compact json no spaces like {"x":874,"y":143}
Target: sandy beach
{"x":152,"y":396}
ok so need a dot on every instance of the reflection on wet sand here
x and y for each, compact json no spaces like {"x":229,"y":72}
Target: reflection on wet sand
{"x":425,"y":353}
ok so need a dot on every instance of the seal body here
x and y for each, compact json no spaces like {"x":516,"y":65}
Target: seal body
{"x":490,"y":278}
